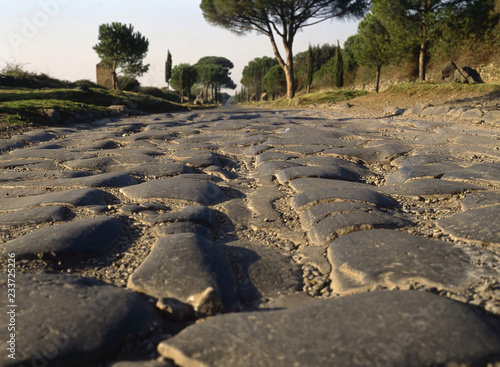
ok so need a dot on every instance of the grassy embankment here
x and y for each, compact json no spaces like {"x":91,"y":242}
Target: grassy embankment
{"x":24,"y":106}
{"x":402,"y":95}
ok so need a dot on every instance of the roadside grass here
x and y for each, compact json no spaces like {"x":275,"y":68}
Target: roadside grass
{"x":422,"y":89}
{"x":410,"y":92}
{"x":303,"y":99}
{"x":20,"y":106}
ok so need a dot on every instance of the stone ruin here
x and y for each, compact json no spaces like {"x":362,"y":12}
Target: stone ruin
{"x":452,"y":73}
{"x":104,"y":76}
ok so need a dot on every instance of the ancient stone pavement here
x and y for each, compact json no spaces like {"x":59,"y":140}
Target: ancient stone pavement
{"x":239,"y":237}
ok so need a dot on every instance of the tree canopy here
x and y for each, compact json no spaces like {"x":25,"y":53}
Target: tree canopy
{"x":254,"y":72}
{"x":183,"y":78}
{"x":274,"y":81}
{"x":122,"y":50}
{"x":214,"y":73}
{"x":415,"y":22}
{"x":278,"y":18}
{"x":372,"y":45}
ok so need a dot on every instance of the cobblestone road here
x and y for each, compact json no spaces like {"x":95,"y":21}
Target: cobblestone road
{"x":249,"y":237}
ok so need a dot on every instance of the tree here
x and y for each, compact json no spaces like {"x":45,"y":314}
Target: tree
{"x":338,"y":67}
{"x":349,"y":59}
{"x":309,"y":76}
{"x":372,"y":45}
{"x":320,"y":56}
{"x":168,"y":69}
{"x":122,"y":50}
{"x":475,"y":27}
{"x":274,"y":82}
{"x":278,"y":18}
{"x":183,"y":78}
{"x":414,"y":23}
{"x":214,"y":73}
{"x":254,"y":72}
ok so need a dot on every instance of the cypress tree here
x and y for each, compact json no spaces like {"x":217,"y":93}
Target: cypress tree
{"x":338,"y":67}
{"x":168,"y":69}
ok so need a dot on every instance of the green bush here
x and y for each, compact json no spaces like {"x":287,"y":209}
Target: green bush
{"x":86,"y":83}
{"x":128,"y":84}
{"x":153,"y":91}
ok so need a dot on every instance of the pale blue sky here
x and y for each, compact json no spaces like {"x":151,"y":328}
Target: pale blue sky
{"x":56,"y":36}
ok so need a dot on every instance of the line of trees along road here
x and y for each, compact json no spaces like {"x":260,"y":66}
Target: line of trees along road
{"x":392,"y":31}
{"x":396,"y":33}
{"x":279,"y":19}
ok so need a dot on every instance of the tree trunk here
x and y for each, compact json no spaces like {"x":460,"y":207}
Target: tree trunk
{"x":290,"y":91}
{"x":288,"y":66}
{"x":114,"y":80}
{"x":378,"y":78}
{"x":422,"y":61}
{"x":290,"y":83}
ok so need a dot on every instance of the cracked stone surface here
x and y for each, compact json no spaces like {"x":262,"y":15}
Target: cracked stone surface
{"x":67,"y":320}
{"x":408,"y":259}
{"x":244,"y":237}
{"x":405,"y":328}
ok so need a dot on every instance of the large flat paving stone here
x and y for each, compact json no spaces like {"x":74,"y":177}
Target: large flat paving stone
{"x":367,"y":260}
{"x":331,"y":172}
{"x":110,"y":163}
{"x":430,"y":187}
{"x":193,"y":213}
{"x":263,"y":273}
{"x":64,"y":321}
{"x":341,"y":224}
{"x":480,"y":226}
{"x":317,"y":196}
{"x":310,"y":217}
{"x":166,"y":229}
{"x":35,"y":216}
{"x":150,"y":135}
{"x":484,"y":172}
{"x":271,"y":167}
{"x":381,"y":153}
{"x":196,"y":158}
{"x":400,"y":328}
{"x":9,"y":144}
{"x":424,"y":159}
{"x":480,"y":199}
{"x":192,"y":189}
{"x":307,"y":183}
{"x":433,"y":170}
{"x":272,"y":155}
{"x":76,"y":197}
{"x":54,"y":152}
{"x":190,"y":268}
{"x":73,"y":241}
{"x":324,"y":161}
{"x":25,"y":178}
{"x":159,"y":170}
{"x":299,"y":135}
{"x":115,"y":179}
